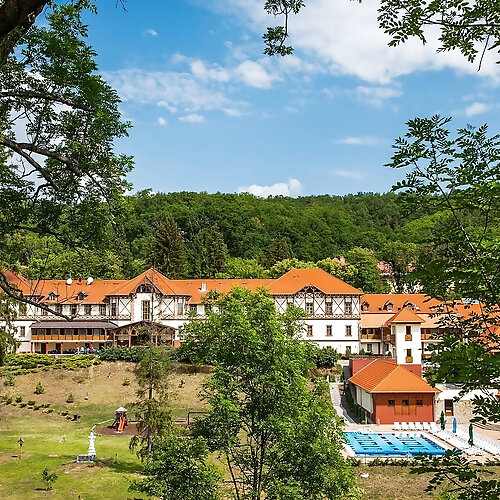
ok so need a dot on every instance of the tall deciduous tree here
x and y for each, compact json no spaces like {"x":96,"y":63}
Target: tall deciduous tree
{"x":58,"y":120}
{"x":277,"y":438}
{"x":402,"y":258}
{"x":278,"y":251}
{"x":460,"y":173}
{"x":368,"y":277}
{"x":166,"y":251}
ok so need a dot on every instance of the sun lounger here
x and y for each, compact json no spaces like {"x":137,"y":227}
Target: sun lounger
{"x":418,"y":426}
{"x":426,"y":426}
{"x":404,"y":426}
{"x":411,"y":426}
{"x":434,"y":427}
{"x":396,"y":426}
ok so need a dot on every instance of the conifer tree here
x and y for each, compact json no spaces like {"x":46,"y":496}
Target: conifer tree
{"x":167,"y":251}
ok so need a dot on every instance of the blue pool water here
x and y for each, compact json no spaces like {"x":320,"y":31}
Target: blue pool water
{"x":387,"y":444}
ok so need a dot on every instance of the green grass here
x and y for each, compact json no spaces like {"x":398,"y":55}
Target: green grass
{"x":21,"y":478}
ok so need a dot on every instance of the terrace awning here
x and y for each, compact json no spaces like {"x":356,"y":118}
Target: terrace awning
{"x":105,"y":325}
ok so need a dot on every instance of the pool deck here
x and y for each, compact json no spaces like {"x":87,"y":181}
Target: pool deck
{"x":493,"y":435}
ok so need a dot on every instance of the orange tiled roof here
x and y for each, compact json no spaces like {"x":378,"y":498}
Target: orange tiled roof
{"x":193,"y":288}
{"x":404,"y":316}
{"x":377,"y":301}
{"x":149,"y":277}
{"x":297,"y":279}
{"x":381,"y":376}
{"x":67,"y":294}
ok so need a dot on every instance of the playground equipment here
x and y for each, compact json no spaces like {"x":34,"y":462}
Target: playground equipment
{"x":120,"y":419}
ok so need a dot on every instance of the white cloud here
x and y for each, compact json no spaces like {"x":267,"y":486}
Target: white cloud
{"x":152,"y":32}
{"x":162,"y":121}
{"x":255,"y":75}
{"x":377,"y":94}
{"x":291,"y":188}
{"x":476,"y":108}
{"x":349,"y":174}
{"x":218,"y":74}
{"x":358,"y":141}
{"x":192,"y":118}
{"x":176,"y":92}
{"x":345,"y":39}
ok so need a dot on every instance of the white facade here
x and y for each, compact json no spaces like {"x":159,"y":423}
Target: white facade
{"x":408,"y":343}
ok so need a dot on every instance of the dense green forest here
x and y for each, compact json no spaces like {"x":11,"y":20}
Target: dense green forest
{"x":239,"y":235}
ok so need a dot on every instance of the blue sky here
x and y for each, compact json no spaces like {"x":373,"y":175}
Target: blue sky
{"x":211,"y":113}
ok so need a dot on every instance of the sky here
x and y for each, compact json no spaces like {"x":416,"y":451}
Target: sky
{"x":211,"y":113}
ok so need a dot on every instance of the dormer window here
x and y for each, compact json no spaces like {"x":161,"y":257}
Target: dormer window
{"x":409,"y":305}
{"x":52,"y":296}
{"x":144,"y":289}
{"x":365,"y":306}
{"x":388,"y":306}
{"x":80,"y":296}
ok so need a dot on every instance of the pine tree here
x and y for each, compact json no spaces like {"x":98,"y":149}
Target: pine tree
{"x":278,"y":251}
{"x":167,"y":251}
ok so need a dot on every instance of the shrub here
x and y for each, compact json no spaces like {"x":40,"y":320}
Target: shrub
{"x":10,"y":380}
{"x":48,"y":478}
{"x":126,"y":382}
{"x":39,"y":388}
{"x":19,"y":399}
{"x":325,"y":358}
{"x":31,"y":403}
{"x":8,"y":400}
{"x":131,"y":354}
{"x":71,"y":398}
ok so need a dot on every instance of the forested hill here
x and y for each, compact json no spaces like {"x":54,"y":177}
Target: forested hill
{"x":233,"y":235}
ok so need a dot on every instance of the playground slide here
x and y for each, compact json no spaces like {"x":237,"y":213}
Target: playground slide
{"x":121,"y":425}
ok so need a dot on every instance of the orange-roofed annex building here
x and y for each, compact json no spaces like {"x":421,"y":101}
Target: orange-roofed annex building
{"x":110,"y":312}
{"x":389,"y":392}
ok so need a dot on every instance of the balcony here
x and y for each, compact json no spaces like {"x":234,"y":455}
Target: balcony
{"x":409,"y":359}
{"x":408,"y":337}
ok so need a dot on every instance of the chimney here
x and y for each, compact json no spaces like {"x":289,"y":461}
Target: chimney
{"x":203,"y":287}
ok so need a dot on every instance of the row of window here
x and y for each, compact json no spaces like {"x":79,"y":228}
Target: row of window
{"x":328,"y":308}
{"x":405,"y":402}
{"x":348,"y":331}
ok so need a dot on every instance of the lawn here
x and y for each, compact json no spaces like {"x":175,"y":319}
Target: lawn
{"x":104,"y":387}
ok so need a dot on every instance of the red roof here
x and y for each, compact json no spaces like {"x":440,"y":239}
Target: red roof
{"x":404,"y":316}
{"x":377,"y":302}
{"x":381,"y":376}
{"x":297,"y":279}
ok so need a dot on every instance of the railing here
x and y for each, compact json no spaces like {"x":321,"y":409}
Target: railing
{"x":409,"y":359}
{"x":408,"y":337}
{"x":371,"y":336}
{"x":76,"y":338}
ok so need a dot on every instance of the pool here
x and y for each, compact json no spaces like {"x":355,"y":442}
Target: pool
{"x":388,"y":444}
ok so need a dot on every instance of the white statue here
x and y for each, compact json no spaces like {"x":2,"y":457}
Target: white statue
{"x":92,"y":437}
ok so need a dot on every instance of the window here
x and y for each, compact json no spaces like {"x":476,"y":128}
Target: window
{"x":369,"y":347}
{"x":23,"y":309}
{"x":348,"y":307}
{"x":405,"y":402}
{"x":388,"y":306}
{"x":289,"y":303}
{"x":328,"y":330}
{"x":44,"y":312}
{"x":328,"y":308}
{"x":73,"y":309}
{"x":146,"y":310}
{"x":391,"y":402}
{"x":114,"y":309}
{"x":410,"y":306}
{"x":193,"y":308}
{"x":59,"y":309}
{"x":408,"y":329}
{"x":448,"y":407}
{"x":309,"y":330}
{"x":144,"y":289}
{"x":22,"y":331}
{"x":180,"y":308}
{"x":52,"y":296}
{"x":102,"y":309}
{"x":420,"y":402}
{"x":365,"y":307}
{"x":80,"y":296}
{"x":309,"y":308}
{"x":88,"y":309}
{"x":348,"y":331}
{"x":408,"y":353}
